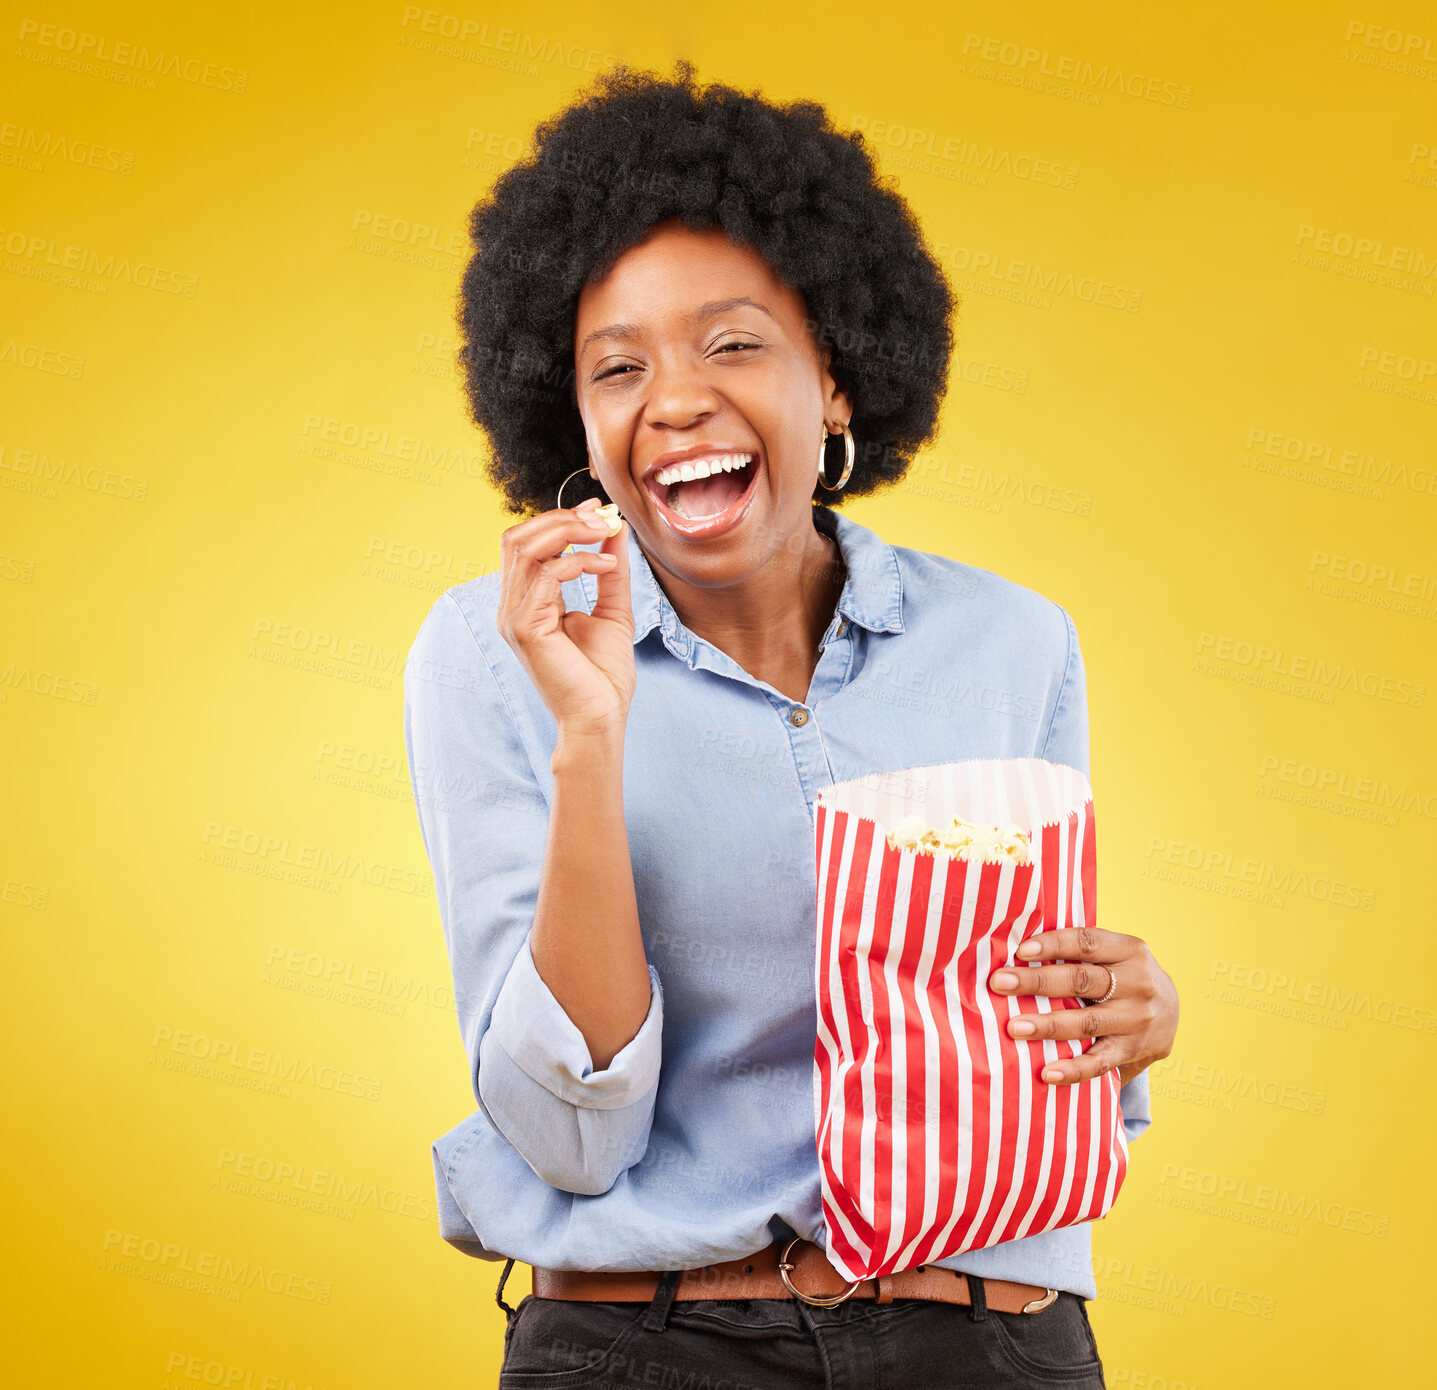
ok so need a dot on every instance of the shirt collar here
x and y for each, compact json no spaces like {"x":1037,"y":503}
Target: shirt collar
{"x":872,"y":594}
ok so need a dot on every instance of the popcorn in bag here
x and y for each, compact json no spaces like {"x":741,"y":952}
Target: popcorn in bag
{"x":936,"y":1133}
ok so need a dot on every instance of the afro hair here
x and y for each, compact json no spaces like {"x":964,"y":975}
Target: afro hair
{"x":637,"y":150}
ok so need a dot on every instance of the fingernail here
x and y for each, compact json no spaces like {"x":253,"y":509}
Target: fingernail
{"x":592,"y":520}
{"x":1028,"y":948}
{"x":587,"y":503}
{"x":1005,"y":979}
{"x":1052,"y":1074}
{"x":1020,"y":1028}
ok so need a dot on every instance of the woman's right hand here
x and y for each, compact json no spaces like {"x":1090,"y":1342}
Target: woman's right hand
{"x":582,"y":664}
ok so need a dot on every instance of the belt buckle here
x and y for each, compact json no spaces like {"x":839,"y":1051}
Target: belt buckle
{"x":784,"y":1265}
{"x":1038,"y":1304}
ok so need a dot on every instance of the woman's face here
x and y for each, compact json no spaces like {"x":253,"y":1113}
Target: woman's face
{"x":692,"y":356}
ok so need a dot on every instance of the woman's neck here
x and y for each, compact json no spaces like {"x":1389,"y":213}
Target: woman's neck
{"x":771,"y":623}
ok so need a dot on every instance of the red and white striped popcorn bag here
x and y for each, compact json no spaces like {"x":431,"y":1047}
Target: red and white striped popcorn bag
{"x":936,"y":1133}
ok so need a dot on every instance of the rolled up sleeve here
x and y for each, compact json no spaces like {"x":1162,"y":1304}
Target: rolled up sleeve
{"x":484,"y":820}
{"x":1067,"y":743}
{"x":532,"y":1056}
{"x":1134,"y":1100}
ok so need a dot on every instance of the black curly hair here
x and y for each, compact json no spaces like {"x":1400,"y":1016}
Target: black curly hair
{"x":638,"y":149}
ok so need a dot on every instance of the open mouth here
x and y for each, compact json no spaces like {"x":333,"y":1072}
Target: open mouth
{"x":705,"y":494}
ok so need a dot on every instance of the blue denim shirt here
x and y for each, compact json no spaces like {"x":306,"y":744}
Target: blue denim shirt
{"x":697,"y":1143}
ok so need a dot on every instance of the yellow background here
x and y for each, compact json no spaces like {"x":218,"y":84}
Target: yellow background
{"x":210,"y":580}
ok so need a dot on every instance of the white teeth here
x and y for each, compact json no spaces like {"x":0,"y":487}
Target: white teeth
{"x":702,"y":468}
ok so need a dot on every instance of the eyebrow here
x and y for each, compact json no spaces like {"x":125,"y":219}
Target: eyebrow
{"x":715,"y":307}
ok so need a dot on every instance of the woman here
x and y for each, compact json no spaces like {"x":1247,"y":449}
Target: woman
{"x":683,"y":297}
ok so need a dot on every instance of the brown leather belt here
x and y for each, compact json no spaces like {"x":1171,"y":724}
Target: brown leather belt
{"x":799,"y":1269}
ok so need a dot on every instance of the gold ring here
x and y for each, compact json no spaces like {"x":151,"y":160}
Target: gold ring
{"x":1112,"y":986}
{"x":784,"y":1265}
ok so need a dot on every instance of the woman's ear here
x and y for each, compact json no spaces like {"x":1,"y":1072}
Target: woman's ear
{"x":836,"y":404}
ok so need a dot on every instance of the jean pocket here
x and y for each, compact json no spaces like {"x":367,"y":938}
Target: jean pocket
{"x":738,"y":1317}
{"x":1055,"y":1346}
{"x":554,"y":1343}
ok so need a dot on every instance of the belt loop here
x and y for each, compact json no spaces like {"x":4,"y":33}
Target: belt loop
{"x":979,"y":1295}
{"x":499,"y":1292}
{"x":657,"y":1316}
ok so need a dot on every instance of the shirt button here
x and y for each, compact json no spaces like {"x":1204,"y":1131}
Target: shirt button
{"x":798,"y":716}
{"x":842,"y":626}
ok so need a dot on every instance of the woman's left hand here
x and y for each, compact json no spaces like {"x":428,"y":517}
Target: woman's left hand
{"x":1134,"y":1029}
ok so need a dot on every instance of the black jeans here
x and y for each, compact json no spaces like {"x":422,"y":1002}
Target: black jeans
{"x":787,"y":1344}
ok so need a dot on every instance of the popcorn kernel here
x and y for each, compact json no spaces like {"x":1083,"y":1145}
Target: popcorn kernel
{"x":961,"y":839}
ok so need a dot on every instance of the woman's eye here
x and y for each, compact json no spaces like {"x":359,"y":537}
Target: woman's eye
{"x":726,"y":347}
{"x":614,"y":371}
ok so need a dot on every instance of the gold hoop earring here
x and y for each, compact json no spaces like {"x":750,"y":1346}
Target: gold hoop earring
{"x":559,"y":501}
{"x":848,"y":452}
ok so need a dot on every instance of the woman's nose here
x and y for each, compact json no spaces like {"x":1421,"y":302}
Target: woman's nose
{"x":679,"y":396}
